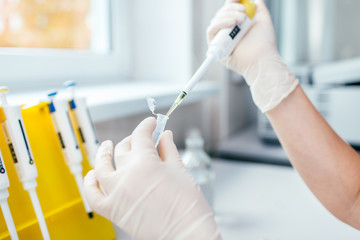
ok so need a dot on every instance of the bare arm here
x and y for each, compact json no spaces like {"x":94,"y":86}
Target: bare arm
{"x":328,"y":165}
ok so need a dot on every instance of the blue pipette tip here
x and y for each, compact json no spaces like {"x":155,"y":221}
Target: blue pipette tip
{"x":91,"y":214}
{"x":69,"y":83}
{"x":52,"y":93}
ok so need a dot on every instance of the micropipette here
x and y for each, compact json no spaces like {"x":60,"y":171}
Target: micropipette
{"x":22,"y":155}
{"x":59,"y":112}
{"x":4,"y":194}
{"x":84,"y":122}
{"x":220,"y":47}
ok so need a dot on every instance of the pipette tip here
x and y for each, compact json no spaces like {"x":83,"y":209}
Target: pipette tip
{"x":177,"y":102}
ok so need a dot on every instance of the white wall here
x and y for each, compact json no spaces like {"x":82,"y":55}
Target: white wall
{"x":162,"y":40}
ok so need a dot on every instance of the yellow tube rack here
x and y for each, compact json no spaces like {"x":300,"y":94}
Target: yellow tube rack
{"x":60,"y":200}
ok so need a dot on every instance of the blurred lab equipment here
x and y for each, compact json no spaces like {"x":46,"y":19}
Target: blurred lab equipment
{"x":198,"y":163}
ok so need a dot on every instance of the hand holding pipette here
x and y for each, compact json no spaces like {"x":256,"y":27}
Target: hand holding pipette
{"x":256,"y":57}
{"x":220,"y":48}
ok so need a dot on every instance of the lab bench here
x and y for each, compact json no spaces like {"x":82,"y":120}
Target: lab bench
{"x":257,"y":201}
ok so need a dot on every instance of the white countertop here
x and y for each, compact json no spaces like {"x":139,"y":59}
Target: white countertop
{"x":260,"y":201}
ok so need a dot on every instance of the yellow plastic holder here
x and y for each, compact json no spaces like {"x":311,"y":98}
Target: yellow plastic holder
{"x":57,"y":191}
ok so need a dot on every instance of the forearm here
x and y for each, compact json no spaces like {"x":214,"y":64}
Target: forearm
{"x":328,"y":165}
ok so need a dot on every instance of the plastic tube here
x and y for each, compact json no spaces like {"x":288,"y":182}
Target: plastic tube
{"x":160,"y":127}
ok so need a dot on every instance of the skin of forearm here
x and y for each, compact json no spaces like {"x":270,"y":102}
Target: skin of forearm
{"x":328,"y":165}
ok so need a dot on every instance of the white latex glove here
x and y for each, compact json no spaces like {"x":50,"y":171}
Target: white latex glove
{"x":149,"y":195}
{"x":256,"y":56}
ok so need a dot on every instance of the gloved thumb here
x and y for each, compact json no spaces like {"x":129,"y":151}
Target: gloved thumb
{"x":95,"y":197}
{"x":167,"y":147}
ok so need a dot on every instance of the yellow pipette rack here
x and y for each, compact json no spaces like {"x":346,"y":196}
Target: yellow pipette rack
{"x":57,"y":191}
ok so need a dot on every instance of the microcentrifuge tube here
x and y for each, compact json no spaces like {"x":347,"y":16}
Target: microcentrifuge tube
{"x":161,"y":120}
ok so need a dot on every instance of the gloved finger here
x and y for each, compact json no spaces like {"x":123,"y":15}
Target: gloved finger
{"x":103,"y":161}
{"x":142,"y":135}
{"x":167,"y":147}
{"x":123,"y":146}
{"x":216,"y":26}
{"x":121,"y":150}
{"x":93,"y":194}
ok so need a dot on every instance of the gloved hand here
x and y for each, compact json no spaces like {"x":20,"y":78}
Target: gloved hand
{"x":148,"y":195}
{"x":256,"y":56}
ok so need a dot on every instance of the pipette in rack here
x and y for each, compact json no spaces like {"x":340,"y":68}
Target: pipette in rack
{"x":83,"y":121}
{"x":59,"y":112}
{"x":17,"y":139}
{"x":4,"y":193}
{"x":221,"y":47}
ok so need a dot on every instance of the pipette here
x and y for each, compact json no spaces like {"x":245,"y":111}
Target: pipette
{"x":4,"y":193}
{"x":84,"y":122}
{"x":22,"y":155}
{"x":59,"y":112}
{"x":221,"y":47}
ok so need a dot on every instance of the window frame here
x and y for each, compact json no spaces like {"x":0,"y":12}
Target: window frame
{"x":31,"y":68}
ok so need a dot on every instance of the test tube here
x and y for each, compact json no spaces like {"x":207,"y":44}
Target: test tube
{"x":160,"y":127}
{"x":22,"y":155}
{"x":61,"y":120}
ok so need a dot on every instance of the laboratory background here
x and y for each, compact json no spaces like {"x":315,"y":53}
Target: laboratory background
{"x":74,"y":73}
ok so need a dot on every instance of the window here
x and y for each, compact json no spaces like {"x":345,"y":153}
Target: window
{"x":44,"y":42}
